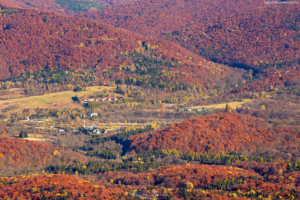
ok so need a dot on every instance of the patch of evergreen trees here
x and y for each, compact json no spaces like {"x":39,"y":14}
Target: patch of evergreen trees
{"x":96,"y":167}
{"x":23,"y":134}
{"x":80,"y":6}
{"x":119,"y":136}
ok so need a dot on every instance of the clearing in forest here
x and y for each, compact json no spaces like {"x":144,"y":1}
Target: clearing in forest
{"x":59,"y":97}
{"x":223,"y":105}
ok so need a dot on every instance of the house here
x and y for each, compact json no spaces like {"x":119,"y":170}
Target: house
{"x":92,"y":114}
{"x":93,"y":129}
{"x":40,"y":127}
{"x":96,"y":131}
{"x":101,"y":99}
{"x":59,"y":130}
{"x":189,"y":109}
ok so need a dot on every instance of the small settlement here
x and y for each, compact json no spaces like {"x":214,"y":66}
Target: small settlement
{"x":195,"y":109}
{"x":101,"y":99}
{"x":95,"y":130}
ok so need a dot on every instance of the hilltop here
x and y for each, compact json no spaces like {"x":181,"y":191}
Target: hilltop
{"x":19,"y":153}
{"x":218,"y":134}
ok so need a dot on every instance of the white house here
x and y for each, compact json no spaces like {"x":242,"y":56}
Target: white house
{"x":92,"y":114}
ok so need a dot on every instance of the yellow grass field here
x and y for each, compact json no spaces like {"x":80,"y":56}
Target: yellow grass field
{"x":37,"y":139}
{"x":223,"y":105}
{"x":59,"y":97}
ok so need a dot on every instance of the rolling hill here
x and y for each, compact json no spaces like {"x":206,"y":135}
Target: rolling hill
{"x":46,"y":41}
{"x":218,"y":134}
{"x":15,"y":152}
{"x":198,"y":181}
{"x":53,"y":187}
{"x":246,"y":34}
{"x":167,"y":176}
{"x":233,"y":182}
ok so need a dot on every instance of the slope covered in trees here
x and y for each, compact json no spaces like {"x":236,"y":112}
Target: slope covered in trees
{"x":67,"y":7}
{"x":218,"y":133}
{"x":241,"y":33}
{"x":47,"y":40}
{"x":71,"y":187}
{"x":15,"y":152}
{"x":237,"y":181}
{"x":145,"y":16}
{"x":273,"y":80}
{"x":178,"y":176}
{"x":54,"y":187}
{"x":174,"y":181}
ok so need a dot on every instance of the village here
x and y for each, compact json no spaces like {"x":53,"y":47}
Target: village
{"x":195,"y":109}
{"x":101,"y":99}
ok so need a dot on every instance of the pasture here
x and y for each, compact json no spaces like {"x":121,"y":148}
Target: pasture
{"x":59,"y":98}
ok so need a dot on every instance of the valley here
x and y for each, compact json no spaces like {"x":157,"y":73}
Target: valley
{"x":136,"y":99}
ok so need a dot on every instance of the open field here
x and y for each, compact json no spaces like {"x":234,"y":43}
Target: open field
{"x":59,"y":97}
{"x":223,"y":105}
{"x":39,"y":138}
{"x":12,"y":93}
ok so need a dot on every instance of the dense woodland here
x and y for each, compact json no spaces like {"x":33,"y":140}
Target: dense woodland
{"x":20,"y":152}
{"x":54,"y":187}
{"x":210,"y":135}
{"x":72,"y":43}
{"x":246,"y":34}
{"x":66,"y":7}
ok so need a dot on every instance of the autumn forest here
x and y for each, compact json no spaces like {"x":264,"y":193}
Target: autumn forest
{"x":139,"y":99}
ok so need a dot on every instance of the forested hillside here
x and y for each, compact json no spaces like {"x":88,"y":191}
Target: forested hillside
{"x":240,"y":33}
{"x":218,"y":134}
{"x":15,"y":152}
{"x":189,"y":181}
{"x":156,"y":17}
{"x":47,"y":41}
{"x":67,"y":7}
{"x":273,"y":81}
{"x":54,"y":186}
